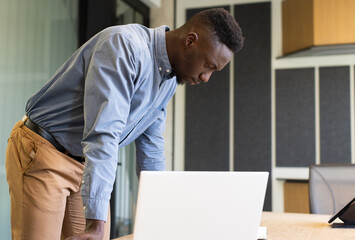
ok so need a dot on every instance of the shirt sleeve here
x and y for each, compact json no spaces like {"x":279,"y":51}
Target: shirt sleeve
{"x":109,"y":86}
{"x":150,"y":145}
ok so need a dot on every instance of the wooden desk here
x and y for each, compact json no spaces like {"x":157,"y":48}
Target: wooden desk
{"x":129,"y":237}
{"x":297,"y":226}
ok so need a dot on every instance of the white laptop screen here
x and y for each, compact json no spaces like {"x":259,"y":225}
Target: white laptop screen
{"x":199,"y":205}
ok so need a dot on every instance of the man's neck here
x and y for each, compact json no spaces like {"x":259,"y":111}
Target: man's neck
{"x":172,"y":39}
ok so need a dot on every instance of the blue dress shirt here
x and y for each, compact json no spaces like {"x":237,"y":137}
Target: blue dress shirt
{"x":111,"y":91}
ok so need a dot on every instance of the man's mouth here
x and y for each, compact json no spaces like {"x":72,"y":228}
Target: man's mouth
{"x":191,"y":81}
{"x":194,"y":81}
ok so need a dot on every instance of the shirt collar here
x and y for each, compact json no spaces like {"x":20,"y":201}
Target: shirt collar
{"x":161,"y":54}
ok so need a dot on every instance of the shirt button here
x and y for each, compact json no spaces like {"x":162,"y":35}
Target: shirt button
{"x":167,"y":70}
{"x":84,"y":208}
{"x":160,"y":68}
{"x":83,"y":182}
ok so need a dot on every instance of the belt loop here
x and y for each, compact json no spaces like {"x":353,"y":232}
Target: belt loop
{"x":24,"y":118}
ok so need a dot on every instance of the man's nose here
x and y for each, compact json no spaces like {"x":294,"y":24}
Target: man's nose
{"x":204,"y":77}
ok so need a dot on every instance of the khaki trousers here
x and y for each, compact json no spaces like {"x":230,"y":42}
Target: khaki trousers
{"x":44,"y":186}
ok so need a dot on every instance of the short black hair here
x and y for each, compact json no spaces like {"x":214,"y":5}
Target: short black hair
{"x":224,"y":26}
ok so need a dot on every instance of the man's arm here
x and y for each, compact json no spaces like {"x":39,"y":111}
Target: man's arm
{"x":109,"y":86}
{"x":150,"y":146}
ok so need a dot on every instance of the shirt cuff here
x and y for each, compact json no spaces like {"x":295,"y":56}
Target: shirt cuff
{"x":96,"y":208}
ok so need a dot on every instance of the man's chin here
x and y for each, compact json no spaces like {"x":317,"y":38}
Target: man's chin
{"x":180,"y":80}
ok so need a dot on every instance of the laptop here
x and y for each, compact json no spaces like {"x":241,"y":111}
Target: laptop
{"x":199,"y":205}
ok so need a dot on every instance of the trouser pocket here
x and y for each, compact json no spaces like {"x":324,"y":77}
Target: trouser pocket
{"x":21,"y":149}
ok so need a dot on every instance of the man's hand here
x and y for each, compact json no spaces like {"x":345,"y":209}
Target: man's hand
{"x":94,"y":230}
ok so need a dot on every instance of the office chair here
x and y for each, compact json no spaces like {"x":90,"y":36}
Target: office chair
{"x":331,"y":187}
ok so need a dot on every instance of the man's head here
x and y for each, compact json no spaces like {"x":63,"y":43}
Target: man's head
{"x":204,"y":44}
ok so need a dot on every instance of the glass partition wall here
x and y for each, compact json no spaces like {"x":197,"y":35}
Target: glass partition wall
{"x":36,"y":37}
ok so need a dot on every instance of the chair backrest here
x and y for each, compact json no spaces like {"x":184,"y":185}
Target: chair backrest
{"x":331,"y":187}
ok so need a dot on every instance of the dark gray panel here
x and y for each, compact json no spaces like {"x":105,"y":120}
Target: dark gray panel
{"x":207,"y":124}
{"x":207,"y":121}
{"x":295,"y":120}
{"x":252,"y":92}
{"x":334,"y":94}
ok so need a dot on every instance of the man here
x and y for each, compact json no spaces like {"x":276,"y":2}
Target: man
{"x":61,"y":157}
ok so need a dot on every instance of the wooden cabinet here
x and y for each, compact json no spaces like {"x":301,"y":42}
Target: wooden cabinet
{"x":296,"y":197}
{"x":309,"y":23}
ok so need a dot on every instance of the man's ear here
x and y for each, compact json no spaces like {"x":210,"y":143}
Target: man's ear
{"x":190,"y":39}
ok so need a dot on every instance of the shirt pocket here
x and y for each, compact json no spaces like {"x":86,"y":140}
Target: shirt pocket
{"x":149,"y":120}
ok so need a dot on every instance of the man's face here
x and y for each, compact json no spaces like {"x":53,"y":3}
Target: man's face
{"x":200,"y":60}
